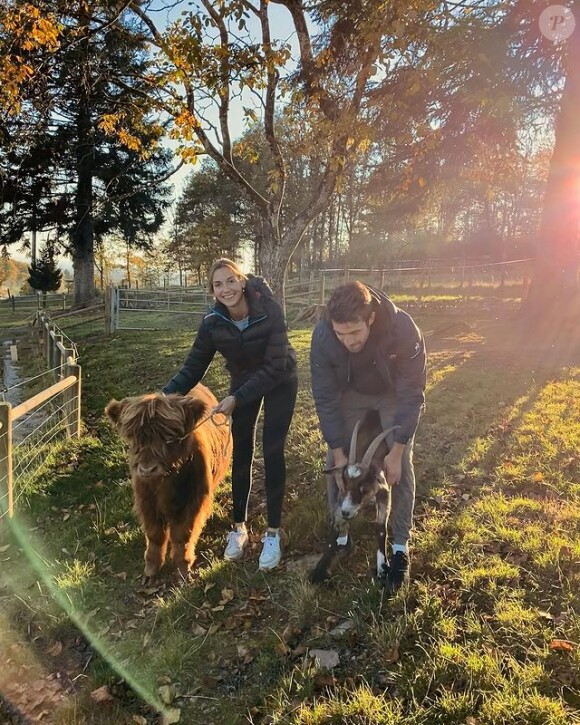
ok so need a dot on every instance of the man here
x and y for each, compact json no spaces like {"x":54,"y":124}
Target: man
{"x":369,"y":355}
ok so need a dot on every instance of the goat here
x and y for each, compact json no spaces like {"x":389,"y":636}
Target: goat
{"x":360,"y":482}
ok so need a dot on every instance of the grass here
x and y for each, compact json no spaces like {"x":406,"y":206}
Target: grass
{"x":487,"y":633}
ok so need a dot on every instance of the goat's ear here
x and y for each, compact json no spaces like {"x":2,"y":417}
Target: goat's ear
{"x":193,"y":410}
{"x":114,"y":409}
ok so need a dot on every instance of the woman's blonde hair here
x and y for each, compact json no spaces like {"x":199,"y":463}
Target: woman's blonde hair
{"x":219,"y":264}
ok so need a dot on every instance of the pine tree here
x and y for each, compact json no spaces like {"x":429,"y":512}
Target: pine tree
{"x":43,"y":274}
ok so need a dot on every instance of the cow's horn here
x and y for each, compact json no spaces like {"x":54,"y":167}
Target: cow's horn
{"x":372,"y":449}
{"x":352,"y":453}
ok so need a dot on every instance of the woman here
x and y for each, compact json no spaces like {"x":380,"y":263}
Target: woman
{"x":247,"y":327}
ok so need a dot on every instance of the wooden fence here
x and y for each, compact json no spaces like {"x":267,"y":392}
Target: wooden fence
{"x":17,"y":458}
{"x":459,"y":281}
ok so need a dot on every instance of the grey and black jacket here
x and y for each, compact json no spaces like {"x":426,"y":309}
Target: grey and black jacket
{"x":258,"y":358}
{"x":399,"y":356}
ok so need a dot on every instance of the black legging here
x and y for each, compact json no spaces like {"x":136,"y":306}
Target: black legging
{"x":278,"y":409}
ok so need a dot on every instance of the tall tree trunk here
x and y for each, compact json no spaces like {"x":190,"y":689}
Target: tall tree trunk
{"x":555,"y":281}
{"x":276,"y":253}
{"x":83,"y":234}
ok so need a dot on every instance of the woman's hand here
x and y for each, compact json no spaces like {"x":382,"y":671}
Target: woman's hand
{"x":226,"y":406}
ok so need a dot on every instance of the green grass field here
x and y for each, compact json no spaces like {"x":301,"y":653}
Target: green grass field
{"x":488,"y":632}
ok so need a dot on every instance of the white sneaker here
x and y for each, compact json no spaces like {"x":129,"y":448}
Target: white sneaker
{"x":271,"y":553}
{"x":237,"y":539}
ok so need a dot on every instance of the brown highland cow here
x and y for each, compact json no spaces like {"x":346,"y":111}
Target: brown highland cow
{"x":177,"y":458}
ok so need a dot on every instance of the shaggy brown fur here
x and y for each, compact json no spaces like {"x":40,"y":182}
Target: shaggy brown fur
{"x":176,"y":462}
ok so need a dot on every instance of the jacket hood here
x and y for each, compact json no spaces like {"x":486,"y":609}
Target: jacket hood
{"x":258,"y":286}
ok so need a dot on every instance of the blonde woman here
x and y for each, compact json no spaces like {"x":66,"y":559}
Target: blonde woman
{"x":246,"y":325}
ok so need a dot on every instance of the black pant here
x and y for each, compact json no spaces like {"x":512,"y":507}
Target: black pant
{"x":278,"y":409}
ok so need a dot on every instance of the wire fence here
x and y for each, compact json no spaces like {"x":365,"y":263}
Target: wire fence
{"x":37,"y":414}
{"x":433,"y":281}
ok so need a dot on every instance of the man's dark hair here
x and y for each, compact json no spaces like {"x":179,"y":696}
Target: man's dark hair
{"x":350,"y":302}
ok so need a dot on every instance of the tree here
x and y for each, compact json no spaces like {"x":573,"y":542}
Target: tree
{"x":88,"y":74}
{"x":555,"y":283}
{"x":223,"y":53}
{"x":43,"y":274}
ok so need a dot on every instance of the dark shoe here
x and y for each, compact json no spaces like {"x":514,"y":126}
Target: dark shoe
{"x":398,"y":572}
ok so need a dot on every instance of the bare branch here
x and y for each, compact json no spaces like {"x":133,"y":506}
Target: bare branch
{"x":269,"y":111}
{"x":224,"y":90}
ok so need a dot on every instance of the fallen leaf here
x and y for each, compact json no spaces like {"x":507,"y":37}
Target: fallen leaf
{"x":207,"y":587}
{"x":139,"y":719}
{"x":171,"y":715}
{"x":218,"y":608}
{"x":282,"y":649}
{"x":342,"y":628}
{"x":198,"y":630}
{"x":227,"y":596}
{"x":4,"y":548}
{"x":562,"y":644}
{"x":288,"y":633}
{"x":167,"y":693}
{"x":210,"y":682}
{"x":544,"y":615}
{"x":472,"y":721}
{"x":517,"y":558}
{"x":300,"y":650}
{"x":324,"y":679}
{"x":122,"y":575}
{"x":326,"y":658}
{"x":538,"y":477}
{"x":101,"y":695}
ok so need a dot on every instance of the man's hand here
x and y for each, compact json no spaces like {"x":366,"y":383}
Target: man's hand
{"x":225,"y":406}
{"x":393,"y":464}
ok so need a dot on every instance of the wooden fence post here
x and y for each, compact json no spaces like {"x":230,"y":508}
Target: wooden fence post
{"x":6,"y":483}
{"x":72,"y":398}
{"x":469,"y":283}
{"x":46,"y":340}
{"x":421,"y":284}
{"x":322,"y":285}
{"x":57,"y":355}
{"x":525,"y":282}
{"x":108,"y":321}
{"x":310,"y":287}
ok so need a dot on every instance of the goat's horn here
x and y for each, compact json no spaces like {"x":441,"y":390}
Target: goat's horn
{"x":372,"y":449}
{"x":352,"y":453}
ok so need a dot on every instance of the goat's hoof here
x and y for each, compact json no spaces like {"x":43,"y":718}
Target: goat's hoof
{"x":382,"y":574}
{"x":319,"y":575}
{"x":148,"y":580}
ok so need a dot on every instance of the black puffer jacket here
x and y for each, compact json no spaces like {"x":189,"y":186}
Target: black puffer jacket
{"x":258,"y":358}
{"x":397,"y":351}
